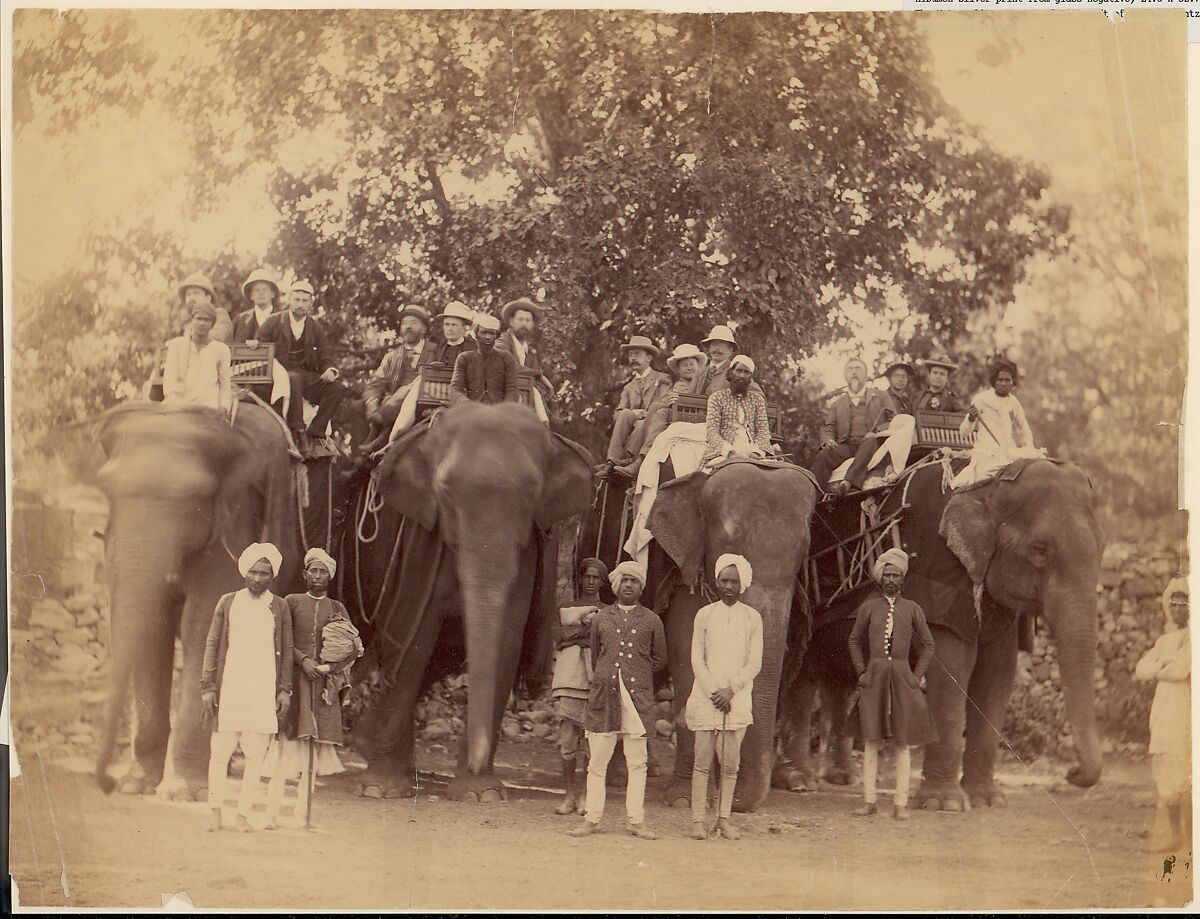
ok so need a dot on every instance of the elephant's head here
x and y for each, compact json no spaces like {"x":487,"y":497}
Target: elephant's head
{"x":486,"y":477}
{"x":1034,"y":544}
{"x":764,"y":515}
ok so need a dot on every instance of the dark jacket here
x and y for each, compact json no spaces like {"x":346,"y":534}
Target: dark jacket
{"x":624,"y":645}
{"x":480,"y":377}
{"x":908,"y":621}
{"x":216,"y":646}
{"x":310,"y":353}
{"x":836,"y":422}
{"x":445,"y":353}
{"x":245,"y":326}
{"x":893,"y":405}
{"x":533,"y":361}
{"x":945,"y":401}
{"x":709,"y":380}
{"x":394,"y":372}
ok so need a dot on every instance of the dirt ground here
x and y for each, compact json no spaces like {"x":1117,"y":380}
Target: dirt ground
{"x":1053,"y":847}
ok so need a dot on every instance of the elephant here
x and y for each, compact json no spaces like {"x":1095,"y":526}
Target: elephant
{"x":984,"y":561}
{"x":762,"y":512}
{"x":483,"y":486}
{"x":187,"y":491}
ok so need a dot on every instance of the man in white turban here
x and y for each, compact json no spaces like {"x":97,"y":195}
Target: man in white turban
{"x":893,"y":556}
{"x":737,"y":418}
{"x":627,"y":646}
{"x":319,"y":555}
{"x":727,"y":647}
{"x":1169,"y":665}
{"x":246,"y":680}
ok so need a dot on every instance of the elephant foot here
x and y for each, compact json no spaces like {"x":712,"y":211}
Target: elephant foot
{"x":679,"y":793}
{"x":839,"y":775}
{"x":484,"y":789}
{"x":179,"y":788}
{"x":747,"y":801}
{"x":137,"y":781}
{"x":988,"y":795}
{"x":947,"y":796}
{"x":388,"y":788}
{"x":793,"y":778}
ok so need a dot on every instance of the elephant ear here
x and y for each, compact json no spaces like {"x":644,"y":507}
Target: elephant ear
{"x":676,"y":521}
{"x":568,"y":483}
{"x":969,"y":529}
{"x":406,"y":479}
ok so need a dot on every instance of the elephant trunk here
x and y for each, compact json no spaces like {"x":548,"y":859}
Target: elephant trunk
{"x":758,"y":747}
{"x":144,"y":562}
{"x":1071,"y":612}
{"x":493,"y":628}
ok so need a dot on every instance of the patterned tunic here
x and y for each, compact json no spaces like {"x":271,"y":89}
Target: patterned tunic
{"x":729,"y":414}
{"x":627,"y":647}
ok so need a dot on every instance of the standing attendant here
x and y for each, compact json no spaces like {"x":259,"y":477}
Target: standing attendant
{"x":573,"y":677}
{"x":320,"y":675}
{"x":891,"y":705}
{"x":246,"y":680}
{"x":1169,"y":665}
{"x":301,"y":346}
{"x":197,"y":370}
{"x":627,"y":646}
{"x":727,"y":646}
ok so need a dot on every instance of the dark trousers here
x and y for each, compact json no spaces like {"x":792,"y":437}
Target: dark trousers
{"x":857,"y":473}
{"x":829,"y":458}
{"x":327,"y":396}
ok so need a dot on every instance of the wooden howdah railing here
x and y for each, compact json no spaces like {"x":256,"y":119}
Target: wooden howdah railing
{"x":250,"y":366}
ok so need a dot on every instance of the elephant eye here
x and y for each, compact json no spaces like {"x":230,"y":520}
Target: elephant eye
{"x":1040,"y":552}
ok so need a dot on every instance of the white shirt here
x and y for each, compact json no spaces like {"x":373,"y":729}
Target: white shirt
{"x":247,"y":699}
{"x":198,"y":376}
{"x":1002,"y":427}
{"x":645,"y":373}
{"x":520,"y":350}
{"x":727,"y":647}
{"x":297,"y":325}
{"x":1169,"y":662}
{"x":262,"y":314}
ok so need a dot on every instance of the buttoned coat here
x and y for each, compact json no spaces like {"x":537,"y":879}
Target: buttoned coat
{"x":642,"y":393}
{"x":836,"y":422}
{"x":313,"y":354}
{"x":625,"y":645}
{"x":945,"y":401}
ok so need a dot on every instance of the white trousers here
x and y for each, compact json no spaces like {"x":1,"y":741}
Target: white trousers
{"x":258,"y":766}
{"x":871,"y":771}
{"x":602,"y":747}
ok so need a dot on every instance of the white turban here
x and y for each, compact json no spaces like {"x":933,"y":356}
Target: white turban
{"x":630,"y":569}
{"x":745,"y":572}
{"x":484,"y":321}
{"x":897,"y":557}
{"x":257,"y":551}
{"x":317,"y":554}
{"x":744,"y":361}
{"x":1178,"y":585}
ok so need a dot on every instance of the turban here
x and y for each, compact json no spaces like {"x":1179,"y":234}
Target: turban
{"x":1178,"y":585}
{"x":317,"y":554}
{"x":744,"y":361}
{"x":632,"y":569}
{"x":593,"y":563}
{"x":257,"y":551}
{"x":897,"y":557}
{"x":745,"y":572}
{"x":207,"y":310}
{"x":484,"y":321}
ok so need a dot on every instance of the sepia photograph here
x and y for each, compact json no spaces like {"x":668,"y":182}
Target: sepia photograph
{"x":590,"y":460}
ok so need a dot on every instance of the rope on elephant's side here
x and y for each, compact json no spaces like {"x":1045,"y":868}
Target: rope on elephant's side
{"x":368,"y":619}
{"x":370,"y":505}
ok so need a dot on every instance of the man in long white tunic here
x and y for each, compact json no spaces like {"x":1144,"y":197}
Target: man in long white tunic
{"x":1169,"y":665}
{"x":246,"y":682}
{"x":727,"y":647}
{"x":998,"y":422}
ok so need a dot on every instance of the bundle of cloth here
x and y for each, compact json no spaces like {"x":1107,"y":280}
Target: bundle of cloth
{"x":339,"y":639}
{"x":683,"y":443}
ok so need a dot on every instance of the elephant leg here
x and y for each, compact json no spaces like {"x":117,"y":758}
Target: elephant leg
{"x":947,"y":681}
{"x":794,"y":769}
{"x":391,"y":771}
{"x":152,"y":674}
{"x":190,"y":736}
{"x":990,"y":687}
{"x":835,"y":699}
{"x":678,"y":627}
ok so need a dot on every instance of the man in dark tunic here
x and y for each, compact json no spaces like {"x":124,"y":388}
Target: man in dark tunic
{"x":937,"y":396}
{"x":627,"y":646}
{"x":487,"y":374}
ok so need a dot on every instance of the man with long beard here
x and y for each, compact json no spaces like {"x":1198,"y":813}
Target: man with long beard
{"x":737,"y":417}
